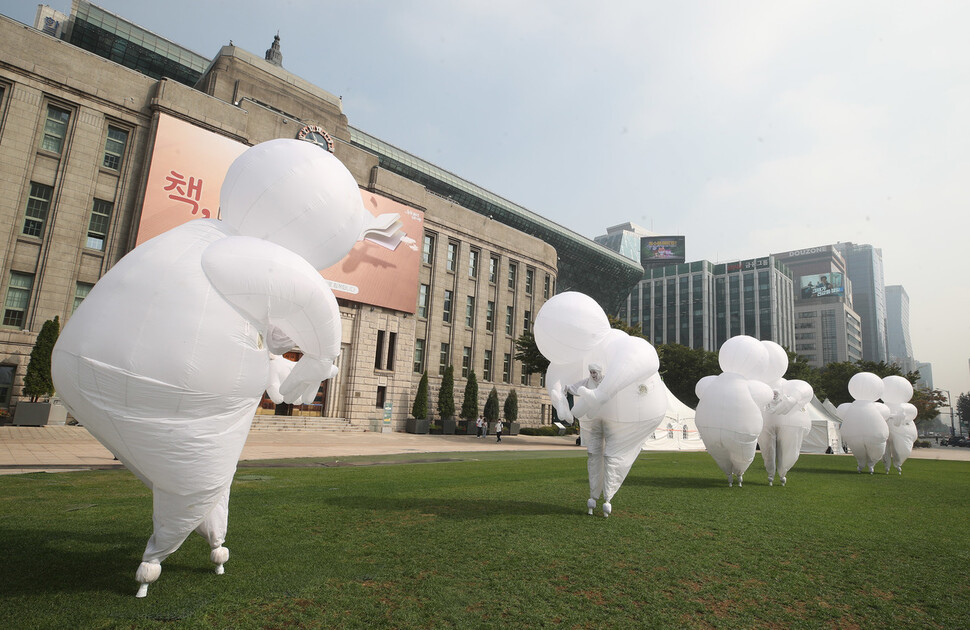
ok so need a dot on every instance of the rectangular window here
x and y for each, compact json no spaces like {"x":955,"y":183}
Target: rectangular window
{"x":38,"y":205}
{"x":470,"y":311}
{"x":7,"y":372}
{"x":446,"y":310}
{"x":18,"y":295}
{"x":443,"y":358}
{"x":545,"y":287}
{"x":507,"y":368}
{"x":81,"y":292}
{"x":509,"y":315}
{"x":427,"y":252}
{"x":527,"y":322}
{"x":525,"y":378}
{"x":487,"y":367}
{"x":490,"y":316}
{"x":492,"y":269}
{"x":452,"y":255}
{"x":98,"y":226}
{"x":512,"y":270}
{"x":473,"y":263}
{"x":466,"y":361}
{"x":530,"y":278}
{"x":423,"y":300}
{"x":114,"y":148}
{"x":55,"y":129}
{"x":419,"y":355}
{"x":379,"y":354}
{"x":391,"y":342}
{"x":381,"y":396}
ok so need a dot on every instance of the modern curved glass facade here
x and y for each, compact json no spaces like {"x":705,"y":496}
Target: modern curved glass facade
{"x":584,"y":266}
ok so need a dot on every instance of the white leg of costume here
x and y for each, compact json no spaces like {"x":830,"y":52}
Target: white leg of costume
{"x":767,"y":443}
{"x":214,"y":529}
{"x":788,"y":447}
{"x":592,"y":434}
{"x":624,"y":441}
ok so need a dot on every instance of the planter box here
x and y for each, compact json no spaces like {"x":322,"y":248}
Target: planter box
{"x":414,"y":425}
{"x":37,"y":414}
{"x":448,"y":426}
{"x":513,"y":427}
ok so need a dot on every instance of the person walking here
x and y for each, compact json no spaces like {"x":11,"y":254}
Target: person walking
{"x":478,"y":425}
{"x":498,"y":431}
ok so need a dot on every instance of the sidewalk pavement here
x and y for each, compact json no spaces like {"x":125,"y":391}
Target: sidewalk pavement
{"x":63,"y":448}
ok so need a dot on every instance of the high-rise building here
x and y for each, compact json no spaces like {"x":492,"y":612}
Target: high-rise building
{"x":827,"y":329}
{"x":865,"y":269}
{"x":701,"y":304}
{"x":898,"y":342}
{"x":624,"y":239}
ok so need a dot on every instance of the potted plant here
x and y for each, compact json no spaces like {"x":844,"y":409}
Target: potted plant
{"x":419,"y":422}
{"x":512,"y":412}
{"x":469,"y":405}
{"x":38,"y":381}
{"x":491,"y":410}
{"x":446,"y":401}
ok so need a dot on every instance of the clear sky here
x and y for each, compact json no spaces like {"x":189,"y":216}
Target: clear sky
{"x":749,"y":127}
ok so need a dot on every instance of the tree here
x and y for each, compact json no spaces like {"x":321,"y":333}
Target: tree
{"x":528,"y":353}
{"x":446,"y":395}
{"x":469,"y":406}
{"x":927,"y":403}
{"x":681,"y":367}
{"x":491,"y":406}
{"x":511,"y":407}
{"x":38,"y":381}
{"x":419,"y":409}
{"x":633,"y":331}
{"x":963,"y":409}
{"x":800,"y":369}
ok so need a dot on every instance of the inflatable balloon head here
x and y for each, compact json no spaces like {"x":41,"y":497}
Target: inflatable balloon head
{"x":777,"y":364}
{"x":569,"y":326}
{"x":743,"y":355}
{"x":291,"y":193}
{"x":865,"y":386}
{"x":896,"y":390}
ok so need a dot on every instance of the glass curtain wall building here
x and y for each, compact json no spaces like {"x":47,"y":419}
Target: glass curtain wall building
{"x":865,"y":269}
{"x":701,"y":304}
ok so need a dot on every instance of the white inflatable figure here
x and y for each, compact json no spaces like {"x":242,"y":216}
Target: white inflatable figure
{"x":864,"y":427}
{"x":786,"y":421}
{"x":728,"y":415}
{"x":166,"y":359}
{"x":902,"y":430}
{"x":619,"y":398}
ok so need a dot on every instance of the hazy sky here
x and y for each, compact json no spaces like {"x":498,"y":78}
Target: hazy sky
{"x":750,"y":127}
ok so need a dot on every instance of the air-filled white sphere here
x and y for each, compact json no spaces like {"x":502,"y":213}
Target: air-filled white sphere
{"x":743,"y":355}
{"x":568,"y":326}
{"x":777,"y":363}
{"x":896,"y":390}
{"x":865,"y":386}
{"x":910,"y":411}
{"x":297,"y":195}
{"x":799,"y":390}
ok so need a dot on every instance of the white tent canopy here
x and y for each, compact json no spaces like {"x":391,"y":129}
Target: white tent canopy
{"x":826,"y":428}
{"x":677,"y":431}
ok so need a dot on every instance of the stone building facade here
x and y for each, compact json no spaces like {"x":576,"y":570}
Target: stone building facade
{"x":76,"y":139}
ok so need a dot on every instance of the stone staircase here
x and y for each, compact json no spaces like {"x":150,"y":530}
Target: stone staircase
{"x":304,"y":423}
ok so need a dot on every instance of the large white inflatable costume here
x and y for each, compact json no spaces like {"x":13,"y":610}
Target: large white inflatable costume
{"x":786,"y":420}
{"x":902,"y":430}
{"x":167,"y":358}
{"x":864,"y":427}
{"x":729,"y":410}
{"x":620,"y":399}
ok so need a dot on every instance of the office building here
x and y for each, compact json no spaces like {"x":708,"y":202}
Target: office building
{"x":898,"y":343}
{"x":865,"y":270}
{"x":827,"y":328}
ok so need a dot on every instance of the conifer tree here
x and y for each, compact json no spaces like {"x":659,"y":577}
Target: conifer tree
{"x":469,"y":406}
{"x":419,"y":410}
{"x":38,"y":381}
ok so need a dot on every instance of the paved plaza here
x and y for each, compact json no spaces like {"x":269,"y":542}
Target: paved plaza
{"x":63,"y":448}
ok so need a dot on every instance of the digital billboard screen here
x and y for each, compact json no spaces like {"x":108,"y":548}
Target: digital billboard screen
{"x":186,"y":173}
{"x":662,"y":249}
{"x":821,"y":285}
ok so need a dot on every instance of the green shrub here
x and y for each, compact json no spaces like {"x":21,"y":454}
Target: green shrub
{"x":512,"y":407}
{"x":469,"y":406}
{"x":544,"y":430}
{"x":491,"y":406}
{"x":419,"y":409}
{"x":38,"y":381}
{"x":446,"y":396}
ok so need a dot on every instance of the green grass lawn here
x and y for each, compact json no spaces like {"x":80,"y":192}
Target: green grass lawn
{"x":504,"y":541}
